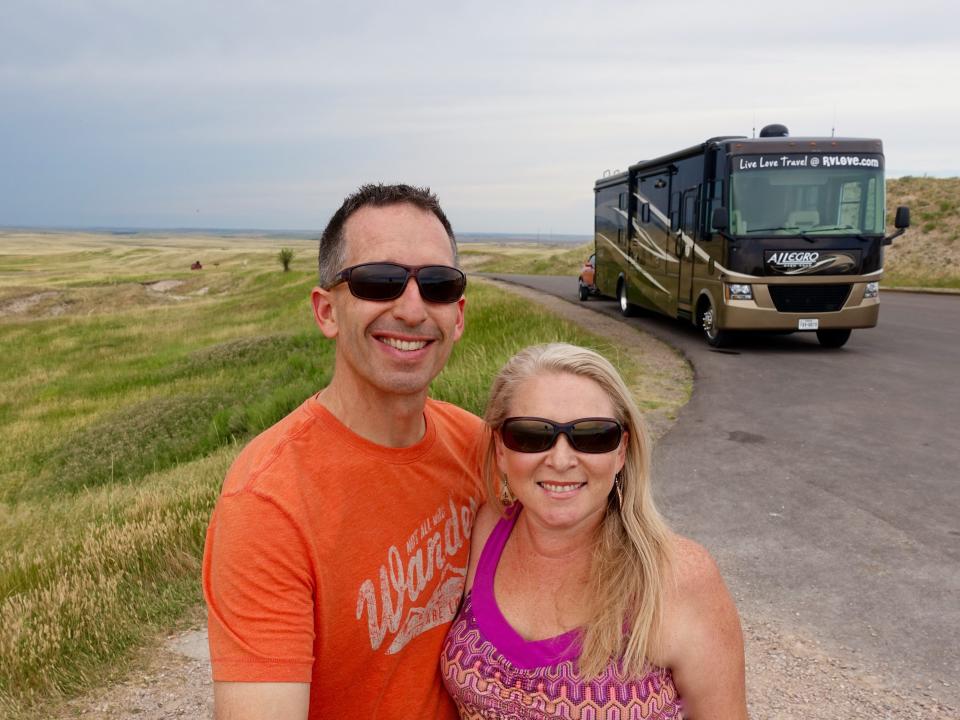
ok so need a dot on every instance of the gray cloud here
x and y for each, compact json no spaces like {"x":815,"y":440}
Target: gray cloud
{"x":214,"y":114}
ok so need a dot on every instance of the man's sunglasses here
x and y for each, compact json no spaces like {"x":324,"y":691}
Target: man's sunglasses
{"x":381,"y":281}
{"x":586,"y":435}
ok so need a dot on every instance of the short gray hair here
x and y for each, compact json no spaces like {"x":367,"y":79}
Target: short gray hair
{"x":332,"y":242}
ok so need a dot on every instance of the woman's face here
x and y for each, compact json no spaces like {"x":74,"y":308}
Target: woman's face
{"x":561,"y":488}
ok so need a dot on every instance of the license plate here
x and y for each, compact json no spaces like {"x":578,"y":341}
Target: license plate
{"x":808,"y":324}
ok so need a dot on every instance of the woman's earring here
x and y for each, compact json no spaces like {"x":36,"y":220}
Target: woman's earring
{"x":618,"y":484}
{"x":506,"y":495}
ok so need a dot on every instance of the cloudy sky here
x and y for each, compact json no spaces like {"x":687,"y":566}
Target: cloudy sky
{"x":264,"y":115}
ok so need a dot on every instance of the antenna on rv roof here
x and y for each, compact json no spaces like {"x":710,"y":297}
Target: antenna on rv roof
{"x":833,"y":130}
{"x":754,"y":123}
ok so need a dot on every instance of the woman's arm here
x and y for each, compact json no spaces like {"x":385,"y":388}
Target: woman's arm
{"x":702,"y":640}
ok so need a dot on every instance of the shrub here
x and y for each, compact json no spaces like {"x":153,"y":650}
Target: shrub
{"x":286,"y":257}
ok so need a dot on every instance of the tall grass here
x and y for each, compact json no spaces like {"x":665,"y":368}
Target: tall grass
{"x":122,"y":409}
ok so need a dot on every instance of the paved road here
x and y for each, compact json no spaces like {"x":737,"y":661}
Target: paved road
{"x":827,"y":482}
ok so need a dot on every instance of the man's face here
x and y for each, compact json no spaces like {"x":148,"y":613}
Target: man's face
{"x":395,"y":347}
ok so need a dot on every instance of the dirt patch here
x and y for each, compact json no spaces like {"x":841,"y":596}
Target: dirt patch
{"x":163,"y":286}
{"x":173,"y":681}
{"x":29,"y":304}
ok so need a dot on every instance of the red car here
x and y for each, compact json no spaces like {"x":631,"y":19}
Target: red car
{"x":586,"y":288}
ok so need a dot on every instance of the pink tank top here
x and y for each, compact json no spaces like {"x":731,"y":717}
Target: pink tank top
{"x":490,"y":671}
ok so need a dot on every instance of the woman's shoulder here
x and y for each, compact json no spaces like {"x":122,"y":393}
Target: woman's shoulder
{"x":483,"y":524}
{"x":692,"y":569}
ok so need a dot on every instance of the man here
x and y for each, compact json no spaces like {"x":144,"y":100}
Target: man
{"x":336,"y":555}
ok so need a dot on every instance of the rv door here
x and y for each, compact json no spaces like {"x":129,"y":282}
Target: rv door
{"x":686,"y":236}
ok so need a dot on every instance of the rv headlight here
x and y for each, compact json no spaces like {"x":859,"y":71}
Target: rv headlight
{"x":738,"y":291}
{"x":872,"y":290}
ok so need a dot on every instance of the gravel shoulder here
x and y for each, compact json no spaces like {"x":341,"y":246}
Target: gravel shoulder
{"x":789,"y":674}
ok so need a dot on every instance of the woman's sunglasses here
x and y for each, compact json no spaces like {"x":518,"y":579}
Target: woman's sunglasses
{"x":381,"y":281}
{"x":586,"y":435}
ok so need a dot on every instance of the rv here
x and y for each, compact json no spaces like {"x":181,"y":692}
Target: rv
{"x":774,"y":233}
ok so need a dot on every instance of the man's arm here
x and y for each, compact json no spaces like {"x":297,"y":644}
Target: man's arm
{"x":259,"y":590}
{"x":261,"y":701}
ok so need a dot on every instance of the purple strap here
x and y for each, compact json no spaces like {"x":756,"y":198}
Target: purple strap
{"x":522,"y":653}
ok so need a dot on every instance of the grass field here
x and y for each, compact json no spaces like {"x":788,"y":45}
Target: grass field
{"x":524,"y":258}
{"x":128,"y":383}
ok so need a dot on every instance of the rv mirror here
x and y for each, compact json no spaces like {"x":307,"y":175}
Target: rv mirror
{"x":902,"y":220}
{"x":720,"y":219}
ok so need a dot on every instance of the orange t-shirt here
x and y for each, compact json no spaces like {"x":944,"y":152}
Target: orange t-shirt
{"x":338,"y":562}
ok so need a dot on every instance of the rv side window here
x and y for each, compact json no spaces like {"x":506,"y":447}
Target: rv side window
{"x":714,"y":192}
{"x":690,"y":212}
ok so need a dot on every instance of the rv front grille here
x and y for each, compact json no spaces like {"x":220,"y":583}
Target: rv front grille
{"x":809,"y":298}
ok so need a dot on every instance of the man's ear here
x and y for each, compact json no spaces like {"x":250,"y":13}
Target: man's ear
{"x":324,"y":312}
{"x":458,"y":328}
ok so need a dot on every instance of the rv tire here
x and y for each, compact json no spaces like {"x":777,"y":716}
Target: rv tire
{"x":706,"y":321}
{"x":833,"y":338}
{"x":583,"y":291}
{"x":627,"y":308}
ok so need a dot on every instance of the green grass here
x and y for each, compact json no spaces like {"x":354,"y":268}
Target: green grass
{"x":122,"y":409}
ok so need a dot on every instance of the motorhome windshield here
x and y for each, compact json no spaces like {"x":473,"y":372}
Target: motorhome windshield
{"x":807,"y":195}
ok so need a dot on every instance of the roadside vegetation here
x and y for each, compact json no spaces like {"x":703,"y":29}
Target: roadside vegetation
{"x":127,"y":385}
{"x":928,"y":255}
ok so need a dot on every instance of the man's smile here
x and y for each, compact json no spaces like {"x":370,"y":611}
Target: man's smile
{"x":403,"y":345}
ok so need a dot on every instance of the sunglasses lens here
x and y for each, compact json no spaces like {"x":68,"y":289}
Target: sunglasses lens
{"x":527,"y":436}
{"x":532,"y":435}
{"x":441,"y":284}
{"x":377,"y":281}
{"x":595,"y":436}
{"x":386,"y":281}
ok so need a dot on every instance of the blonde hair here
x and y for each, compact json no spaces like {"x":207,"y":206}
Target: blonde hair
{"x":629,"y":564}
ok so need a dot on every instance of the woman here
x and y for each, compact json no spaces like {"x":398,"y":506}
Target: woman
{"x":580,"y":602}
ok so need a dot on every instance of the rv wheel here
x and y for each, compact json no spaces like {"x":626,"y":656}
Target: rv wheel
{"x":706,"y":319}
{"x":627,"y":308}
{"x":584,"y":292}
{"x":833,"y":338}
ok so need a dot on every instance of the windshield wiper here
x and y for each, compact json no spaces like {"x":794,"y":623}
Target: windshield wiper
{"x":792,"y":230}
{"x":859,"y":236}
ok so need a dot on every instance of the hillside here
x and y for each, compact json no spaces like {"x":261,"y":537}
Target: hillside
{"x":929,"y":253}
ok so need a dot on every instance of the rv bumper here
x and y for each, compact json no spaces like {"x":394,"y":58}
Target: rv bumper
{"x":761,"y":313}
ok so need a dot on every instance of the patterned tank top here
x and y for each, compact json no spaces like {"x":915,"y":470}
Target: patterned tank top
{"x":492,"y":672}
